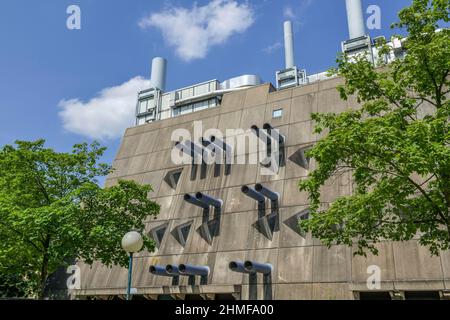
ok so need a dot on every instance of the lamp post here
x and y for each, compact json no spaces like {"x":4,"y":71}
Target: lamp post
{"x":131,"y":242}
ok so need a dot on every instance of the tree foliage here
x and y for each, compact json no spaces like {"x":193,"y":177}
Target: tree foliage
{"x":396,"y":146}
{"x":53,"y":211}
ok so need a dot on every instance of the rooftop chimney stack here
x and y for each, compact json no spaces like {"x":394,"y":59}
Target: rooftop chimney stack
{"x":159,"y":69}
{"x":355,"y":19}
{"x":289,"y":44}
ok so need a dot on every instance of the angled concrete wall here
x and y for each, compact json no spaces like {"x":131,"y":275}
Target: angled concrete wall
{"x":302,"y":267}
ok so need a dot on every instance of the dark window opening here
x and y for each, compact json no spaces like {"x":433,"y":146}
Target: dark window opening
{"x":378,"y":295}
{"x":422,"y":295}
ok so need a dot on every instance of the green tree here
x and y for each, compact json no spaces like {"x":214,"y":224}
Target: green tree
{"x":396,"y":146}
{"x":53,"y":211}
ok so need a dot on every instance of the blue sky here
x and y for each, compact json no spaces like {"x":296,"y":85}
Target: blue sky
{"x":44,"y":67}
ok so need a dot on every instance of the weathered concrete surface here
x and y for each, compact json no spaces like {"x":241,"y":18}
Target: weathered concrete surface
{"x":302,"y":267}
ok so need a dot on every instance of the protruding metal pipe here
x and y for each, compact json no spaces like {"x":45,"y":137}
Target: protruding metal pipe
{"x":190,"y":270}
{"x":192,"y":200}
{"x":172,"y":269}
{"x":288,"y":45}
{"x":251,"y":266}
{"x":159,"y":271}
{"x":159,"y":71}
{"x":208,"y":200}
{"x":355,"y":18}
{"x":238,"y":266}
{"x":274,"y":196}
{"x":253,"y":194}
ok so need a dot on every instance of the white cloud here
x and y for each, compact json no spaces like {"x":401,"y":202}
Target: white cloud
{"x":192,"y":32}
{"x":105,"y":116}
{"x":272,"y":48}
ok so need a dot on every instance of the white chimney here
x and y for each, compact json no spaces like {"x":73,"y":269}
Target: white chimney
{"x":355,"y":19}
{"x":289,"y":44}
{"x":159,"y":69}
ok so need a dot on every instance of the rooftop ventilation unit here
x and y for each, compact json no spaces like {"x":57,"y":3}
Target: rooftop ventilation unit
{"x":359,"y":41}
{"x":149,"y":101}
{"x":291,"y":76}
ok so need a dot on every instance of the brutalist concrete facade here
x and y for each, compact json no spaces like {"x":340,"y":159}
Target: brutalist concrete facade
{"x":303,"y":268}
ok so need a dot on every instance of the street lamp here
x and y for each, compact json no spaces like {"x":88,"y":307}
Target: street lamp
{"x":131,"y":242}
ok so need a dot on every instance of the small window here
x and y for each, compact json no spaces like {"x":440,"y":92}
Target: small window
{"x":277,"y":113}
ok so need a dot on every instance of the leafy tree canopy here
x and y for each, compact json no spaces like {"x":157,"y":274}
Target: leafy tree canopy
{"x":396,"y":146}
{"x":53,"y":211}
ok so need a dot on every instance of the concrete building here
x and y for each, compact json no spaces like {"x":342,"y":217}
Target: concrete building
{"x":240,"y":229}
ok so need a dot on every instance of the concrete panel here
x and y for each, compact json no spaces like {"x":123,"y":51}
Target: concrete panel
{"x":257,"y":95}
{"x":295,"y":265}
{"x":120,"y":168}
{"x":279,"y":95}
{"x":330,"y":83}
{"x":143,"y":128}
{"x":293,"y":291}
{"x":160,"y":160}
{"x":414,"y":262}
{"x":302,"y":90}
{"x":292,"y":194}
{"x":330,"y":101}
{"x":146,"y":142}
{"x":332,"y":265}
{"x":184,"y":209}
{"x":222,"y":274}
{"x":233,"y":101}
{"x":331,"y":291}
{"x":253,"y":116}
{"x":154,"y":179}
{"x":138,"y":164}
{"x":445,"y":260}
{"x":128,"y":146}
{"x":384,"y":260}
{"x":285,"y":106}
{"x":302,"y":107}
{"x":426,"y":285}
{"x":168,"y":207}
{"x":288,"y":236}
{"x":165,"y":136}
{"x":235,"y":231}
{"x":293,"y":170}
{"x":100,"y":275}
{"x":118,"y":278}
{"x":301,"y":133}
{"x":238,"y":202}
{"x":242,"y":174}
{"x":193,"y":181}
{"x":230,"y":120}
